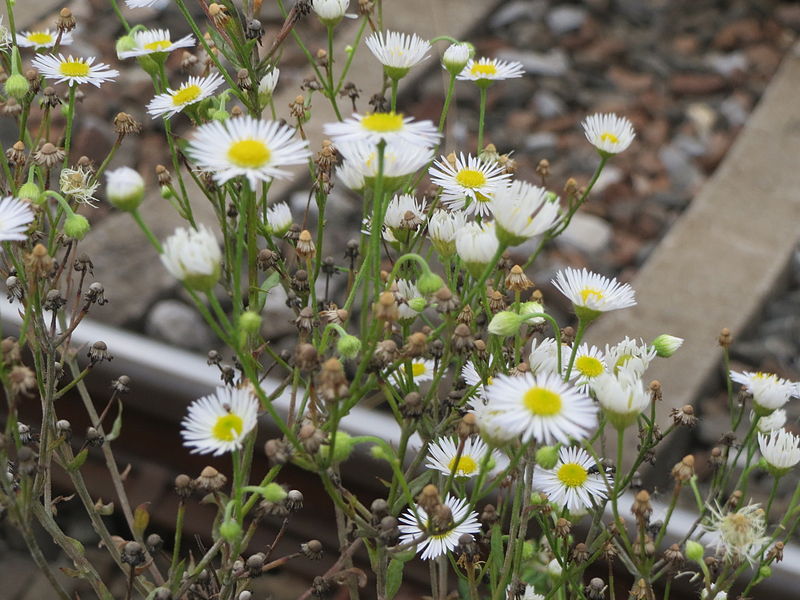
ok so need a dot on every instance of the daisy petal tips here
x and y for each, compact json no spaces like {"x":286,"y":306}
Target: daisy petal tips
{"x":73,"y":70}
{"x":608,"y":133}
{"x":592,"y":294}
{"x":244,"y":146}
{"x":388,"y":127}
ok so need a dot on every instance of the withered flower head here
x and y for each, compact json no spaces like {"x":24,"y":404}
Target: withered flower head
{"x":48,"y":156}
{"x":210,"y":480}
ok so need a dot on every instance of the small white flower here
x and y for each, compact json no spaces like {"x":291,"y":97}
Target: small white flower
{"x":486,"y":70}
{"x":422,"y":369}
{"x":780,"y":449}
{"x":406,"y":292}
{"x":593,"y":292}
{"x":195,"y":90}
{"x":42,"y":39}
{"x":399,"y":206}
{"x":124,"y":188}
{"x":769,"y":391}
{"x":330,"y":10}
{"x":570,"y":483}
{"x":631,"y":356}
{"x":220,"y":422}
{"x":541,"y":408}
{"x":438,"y":541}
{"x":400,"y":158}
{"x":469,"y":184}
{"x":456,"y":57}
{"x":193,"y":256}
{"x":623,"y":398}
{"x":350,"y":176}
{"x":244,"y":146}
{"x":279,"y":218}
{"x":588,"y":366}
{"x":153,"y":41}
{"x":473,"y":379}
{"x":79,"y":184}
{"x":486,"y":417}
{"x":73,"y":70}
{"x":666,"y":345}
{"x":142,"y":3}
{"x":266,"y":87}
{"x":378,"y":126}
{"x":397,"y":52}
{"x":522,"y":211}
{"x":443,"y":226}
{"x":608,"y":133}
{"x":738,"y":534}
{"x":476,"y":246}
{"x":442,"y":456}
{"x":15,"y":216}
{"x":770,"y":422}
{"x":543,"y":359}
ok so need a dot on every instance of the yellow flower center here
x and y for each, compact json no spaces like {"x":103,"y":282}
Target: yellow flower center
{"x":470,"y":178}
{"x":483,"y":69}
{"x":466,"y":465}
{"x":588,"y":366}
{"x":572,"y":474}
{"x":489,"y":380}
{"x":249,"y":154}
{"x":418,"y":369}
{"x":587,"y":293}
{"x":40,"y":37}
{"x":158,"y":45}
{"x":74,"y":68}
{"x":542,"y":402}
{"x":383,"y":122}
{"x":186,"y":95}
{"x":227,"y":428}
{"x":621,"y":362}
{"x":609,"y":137}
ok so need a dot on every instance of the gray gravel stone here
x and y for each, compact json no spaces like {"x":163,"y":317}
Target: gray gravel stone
{"x":587,"y":233}
{"x":179,"y":324}
{"x":554,"y":63}
{"x":684,"y":174}
{"x":563,"y":19}
{"x":541,"y":142}
{"x":532,"y":10}
{"x":548,"y":104}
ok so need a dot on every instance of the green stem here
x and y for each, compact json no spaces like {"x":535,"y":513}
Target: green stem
{"x":70,"y":119}
{"x":451,"y":86}
{"x":122,"y":19}
{"x":481,"y":117}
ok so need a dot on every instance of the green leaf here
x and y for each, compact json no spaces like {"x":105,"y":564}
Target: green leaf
{"x":141,"y":518}
{"x":270,"y":282}
{"x":394,"y":577}
{"x":77,"y":462}
{"x":117,"y":426}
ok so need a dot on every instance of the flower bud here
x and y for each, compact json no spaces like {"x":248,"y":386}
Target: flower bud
{"x":694,"y":551}
{"x":30,"y":191}
{"x":456,"y":57}
{"x":417,"y":304}
{"x":125,"y":44}
{"x":17,"y":86}
{"x":250,"y":322}
{"x":547,"y":456}
{"x":76,"y":226}
{"x":230,"y":530}
{"x":429,"y":283}
{"x":330,"y":12}
{"x":530,"y":308}
{"x":342,"y":449}
{"x":273,"y":492}
{"x":666,"y":345}
{"x":124,"y":188}
{"x":348,"y":346}
{"x":505,"y":323}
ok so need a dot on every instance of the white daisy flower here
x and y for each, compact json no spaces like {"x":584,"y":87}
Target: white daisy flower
{"x":15,"y":216}
{"x":266,"y":87}
{"x":398,"y":52}
{"x":591,"y":293}
{"x":193,"y":256}
{"x":155,"y":41}
{"x":442,"y":456}
{"x":484,"y":71}
{"x":79,"y":184}
{"x":402,"y":209}
{"x":780,"y":449}
{"x":769,"y":391}
{"x":405,"y":293}
{"x":476,"y":245}
{"x":486,"y":417}
{"x":473,"y":379}
{"x":770,"y":422}
{"x":350,"y":176}
{"x":588,"y":366}
{"x":438,"y":541}
{"x":330,"y":11}
{"x":42,"y":39}
{"x":522,"y":211}
{"x":73,"y":70}
{"x":541,"y":408}
{"x":124,"y":188}
{"x":279,"y":218}
{"x":570,"y":483}
{"x":400,"y":158}
{"x":244,"y":146}
{"x":738,"y":534}
{"x":456,"y":57}
{"x":389,"y":127}
{"x":543,"y":359}
{"x":631,"y":356}
{"x":443,"y":226}
{"x":623,"y":398}
{"x":608,"y":133}
{"x":422,"y":369}
{"x":469,"y":184}
{"x":528,"y":594}
{"x":220,"y":422}
{"x":194,"y":90}
{"x":142,"y":3}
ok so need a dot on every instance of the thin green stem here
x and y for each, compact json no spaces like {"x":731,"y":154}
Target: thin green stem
{"x":482,"y":117}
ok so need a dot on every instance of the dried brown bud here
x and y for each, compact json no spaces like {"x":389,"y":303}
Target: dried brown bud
{"x":467,"y":426}
{"x":306,"y":357}
{"x":563,"y":527}
{"x":125,"y":124}
{"x":517,"y":281}
{"x":65,"y":21}
{"x":683,"y":470}
{"x":415,"y":346}
{"x":641,"y":508}
{"x":543,"y":168}
{"x":429,"y":498}
{"x":725,"y":338}
{"x":332,"y":383}
{"x":463,"y":341}
{"x":385,"y":309}
{"x":210,"y":480}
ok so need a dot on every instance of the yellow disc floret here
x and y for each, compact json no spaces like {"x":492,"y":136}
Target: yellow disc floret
{"x":471,"y":178}
{"x":588,"y":366}
{"x":609,"y":137}
{"x":383,"y":122}
{"x":40,"y":37}
{"x":418,"y":369}
{"x":466,"y":465}
{"x":587,"y":293}
{"x":483,"y":69}
{"x":227,"y":428}
{"x":186,"y":95}
{"x":158,"y":46}
{"x":572,"y":474}
{"x":249,"y":154}
{"x":74,"y":68}
{"x":542,"y":402}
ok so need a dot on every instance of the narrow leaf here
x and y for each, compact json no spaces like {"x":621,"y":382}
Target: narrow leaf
{"x":141,"y":518}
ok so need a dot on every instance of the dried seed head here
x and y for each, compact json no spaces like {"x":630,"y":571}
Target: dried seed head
{"x":183,"y":486}
{"x":445,"y":300}
{"x":39,"y":262}
{"x":596,"y":590}
{"x":254,"y":563}
{"x":294,"y":500}
{"x":15,"y":289}
{"x":386,"y":309}
{"x":133,"y":554}
{"x":489,"y":515}
{"x":305,"y":248}
{"x":48,"y":156}
{"x":188,"y":61}
{"x":163,"y":176}
{"x":580,"y":553}
{"x":278,"y":451}
{"x":210,"y":480}
{"x":497,"y":301}
{"x":218,"y":14}
{"x":12,"y":108}
{"x":99,"y":352}
{"x":125,"y":124}
{"x":311,"y":438}
{"x":467,"y":426}
{"x":441,"y":518}
{"x":388,"y":530}
{"x":16,"y":154}
{"x":673,"y":555}
{"x":300,"y":281}
{"x":22,"y":380}
{"x":65,"y":21}
{"x":416,"y":345}
{"x":306,"y":357}
{"x":379,"y":508}
{"x":563,"y":527}
{"x":412,"y":406}
{"x":154,"y":542}
{"x":776,"y":552}
{"x":429,"y":498}
{"x":517,"y":281}
{"x":641,"y":508}
{"x":716,"y":457}
{"x":684,"y":416}
{"x":49,"y":98}
{"x":267,"y":259}
{"x":543,"y":168}
{"x":312,"y":549}
{"x":465,"y":316}
{"x":305,"y":321}
{"x":463,"y":341}
{"x":332,"y":383}
{"x":683,"y":470}
{"x":725,"y":338}
{"x":9,"y":351}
